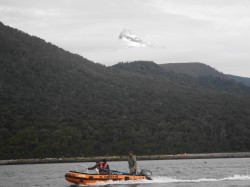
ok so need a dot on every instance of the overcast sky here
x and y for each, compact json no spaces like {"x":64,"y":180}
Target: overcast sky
{"x":214,"y":32}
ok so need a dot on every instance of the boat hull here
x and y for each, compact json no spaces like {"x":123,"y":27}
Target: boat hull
{"x":86,"y":178}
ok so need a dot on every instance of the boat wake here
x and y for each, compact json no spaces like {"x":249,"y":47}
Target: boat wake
{"x":164,"y":179}
{"x":173,"y":180}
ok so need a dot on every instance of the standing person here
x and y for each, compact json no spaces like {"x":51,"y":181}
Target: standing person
{"x":132,"y":163}
{"x":102,"y":167}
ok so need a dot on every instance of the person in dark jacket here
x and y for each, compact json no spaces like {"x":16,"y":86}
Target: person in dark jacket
{"x":101,"y":166}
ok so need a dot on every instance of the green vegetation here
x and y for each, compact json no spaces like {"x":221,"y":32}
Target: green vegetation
{"x":57,"y":104}
{"x":244,"y":80}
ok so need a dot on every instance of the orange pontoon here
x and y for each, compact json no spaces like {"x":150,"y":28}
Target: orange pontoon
{"x":89,"y":178}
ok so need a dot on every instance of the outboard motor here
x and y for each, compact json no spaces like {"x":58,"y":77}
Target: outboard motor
{"x":147,"y":174}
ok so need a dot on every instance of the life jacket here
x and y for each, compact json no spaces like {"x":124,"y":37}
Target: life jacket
{"x":103,"y":165}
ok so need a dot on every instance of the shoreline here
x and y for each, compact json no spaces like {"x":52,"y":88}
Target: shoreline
{"x":124,"y":158}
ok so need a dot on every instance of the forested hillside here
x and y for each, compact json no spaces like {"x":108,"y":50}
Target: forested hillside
{"x":196,"y":75}
{"x":57,"y":104}
{"x":243,"y":80}
{"x":195,"y":69}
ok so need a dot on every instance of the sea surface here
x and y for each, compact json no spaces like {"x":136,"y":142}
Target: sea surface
{"x":171,"y":173}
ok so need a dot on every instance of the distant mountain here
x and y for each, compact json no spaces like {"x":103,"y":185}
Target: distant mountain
{"x":195,"y":69}
{"x":195,"y":75}
{"x":57,"y":104}
{"x":142,"y":67}
{"x":243,"y":80}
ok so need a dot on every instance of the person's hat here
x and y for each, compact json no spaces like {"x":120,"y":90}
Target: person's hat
{"x":131,"y":152}
{"x":104,"y":160}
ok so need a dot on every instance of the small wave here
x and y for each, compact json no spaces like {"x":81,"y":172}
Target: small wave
{"x":163,"y":179}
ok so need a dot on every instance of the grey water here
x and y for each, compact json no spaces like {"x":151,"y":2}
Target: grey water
{"x":172,"y":173}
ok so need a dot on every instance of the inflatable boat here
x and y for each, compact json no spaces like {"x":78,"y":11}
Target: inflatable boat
{"x":77,"y":177}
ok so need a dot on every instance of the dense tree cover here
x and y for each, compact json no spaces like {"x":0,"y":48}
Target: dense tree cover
{"x":244,"y":80}
{"x":57,"y":104}
{"x":195,"y":69}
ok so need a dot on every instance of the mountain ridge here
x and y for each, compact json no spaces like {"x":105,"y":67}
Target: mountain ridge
{"x":192,"y":74}
{"x":240,"y":79}
{"x":192,"y":68}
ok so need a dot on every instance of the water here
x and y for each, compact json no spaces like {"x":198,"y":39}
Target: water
{"x":172,"y":173}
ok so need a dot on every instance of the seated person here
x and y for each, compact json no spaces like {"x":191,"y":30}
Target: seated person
{"x":102,"y":166}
